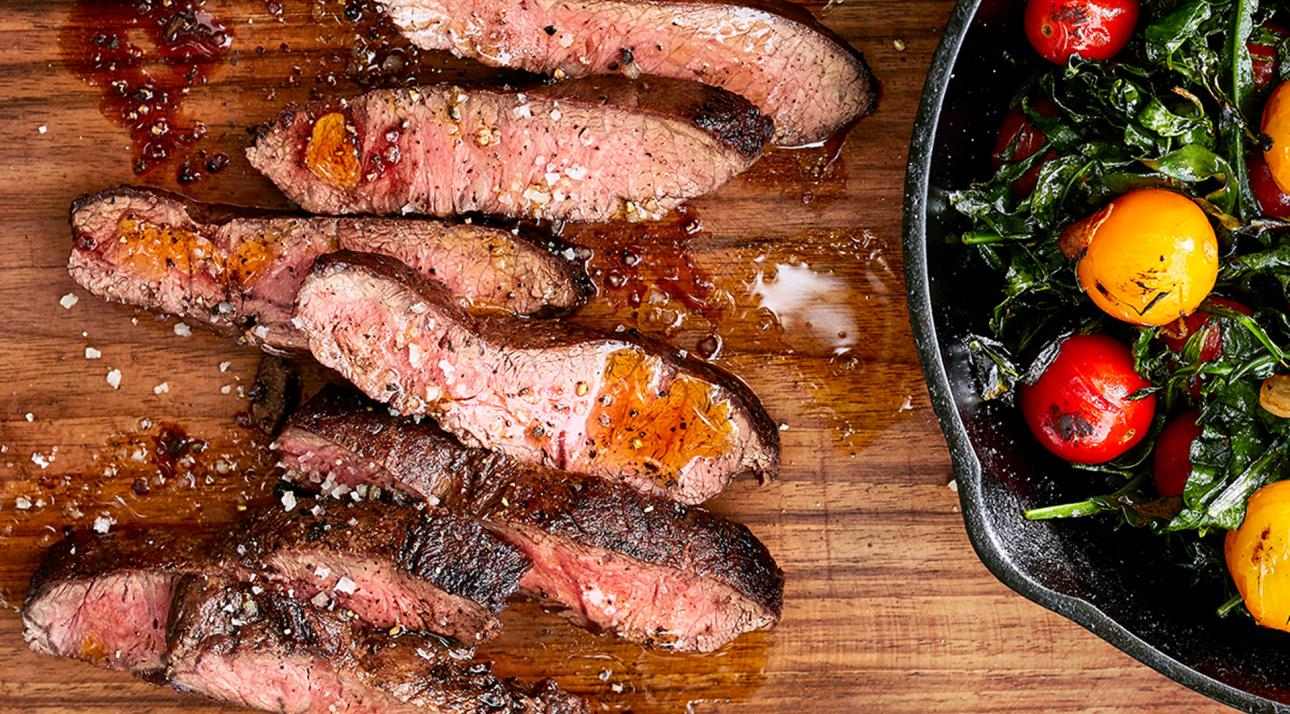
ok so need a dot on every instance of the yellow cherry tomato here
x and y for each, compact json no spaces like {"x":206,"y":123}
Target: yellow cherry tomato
{"x":1148,"y":258}
{"x":1276,"y":124}
{"x":1258,"y":556}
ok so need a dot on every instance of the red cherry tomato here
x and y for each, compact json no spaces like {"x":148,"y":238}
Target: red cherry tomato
{"x":1274,"y":202}
{"x":1080,"y":410}
{"x":1018,"y":140}
{"x":1171,"y":462}
{"x":1265,"y":57}
{"x":1092,"y":29}
{"x":1211,"y":347}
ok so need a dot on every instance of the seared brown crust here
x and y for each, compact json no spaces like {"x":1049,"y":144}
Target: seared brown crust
{"x":424,"y":461}
{"x":598,"y":514}
{"x":457,"y":555}
{"x":88,"y":555}
{"x":763,"y":447}
{"x":214,"y":620}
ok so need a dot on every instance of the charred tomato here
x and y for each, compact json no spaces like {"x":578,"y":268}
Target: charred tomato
{"x":1082,"y":408}
{"x":1092,"y":29}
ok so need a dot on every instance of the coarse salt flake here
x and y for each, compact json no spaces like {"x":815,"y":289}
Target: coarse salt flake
{"x":346,"y":586}
{"x":163,"y":388}
{"x":68,"y":301}
{"x":22,"y":503}
{"x":30,"y":417}
{"x":288,"y":500}
{"x":42,"y":129}
{"x":183,"y":330}
{"x":103,"y":524}
{"x":91,"y":353}
{"x":223,"y":366}
{"x":322,"y":571}
{"x":114,"y":378}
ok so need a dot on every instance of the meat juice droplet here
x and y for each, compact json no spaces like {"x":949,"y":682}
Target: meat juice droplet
{"x":144,"y":86}
{"x":631,"y":259}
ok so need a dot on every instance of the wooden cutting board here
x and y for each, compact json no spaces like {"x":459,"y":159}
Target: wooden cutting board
{"x":886,"y":607}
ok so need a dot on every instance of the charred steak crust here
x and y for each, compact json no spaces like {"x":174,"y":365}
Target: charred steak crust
{"x":421,"y":459}
{"x":805,"y":76}
{"x":586,"y":150}
{"x":236,"y":269}
{"x":324,"y":663}
{"x":457,"y":555}
{"x":651,"y":530}
{"x":758,"y":451}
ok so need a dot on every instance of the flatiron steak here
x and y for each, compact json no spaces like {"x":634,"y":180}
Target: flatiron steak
{"x":588,"y":150}
{"x":238,"y":270}
{"x":806,"y":78}
{"x":541,"y":392}
{"x":640,"y":566}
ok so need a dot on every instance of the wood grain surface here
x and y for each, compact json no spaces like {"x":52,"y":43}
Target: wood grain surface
{"x":887,"y":609}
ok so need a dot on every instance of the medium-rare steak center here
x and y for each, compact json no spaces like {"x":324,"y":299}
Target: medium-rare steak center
{"x":587,"y":150}
{"x":773,"y":53}
{"x":543,"y":393}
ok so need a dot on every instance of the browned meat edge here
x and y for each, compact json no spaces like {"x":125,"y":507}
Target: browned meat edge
{"x":420,"y":459}
{"x":263,"y":650}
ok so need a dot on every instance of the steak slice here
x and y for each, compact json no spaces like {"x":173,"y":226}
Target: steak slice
{"x":269,"y":652}
{"x":106,"y":599}
{"x":543,"y":393}
{"x":643,"y":567}
{"x":236,"y":270}
{"x":590,"y":150}
{"x":806,"y":78}
{"x":389,"y":565}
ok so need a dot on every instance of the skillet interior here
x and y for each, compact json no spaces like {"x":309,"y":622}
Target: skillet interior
{"x":1116,"y":583}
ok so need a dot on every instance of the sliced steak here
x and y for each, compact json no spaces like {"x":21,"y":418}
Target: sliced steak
{"x":269,"y":652}
{"x":106,"y":599}
{"x":806,"y":78}
{"x":238,"y":271}
{"x":390,"y":565}
{"x":641,"y":566}
{"x":586,"y":150}
{"x":545,"y":393}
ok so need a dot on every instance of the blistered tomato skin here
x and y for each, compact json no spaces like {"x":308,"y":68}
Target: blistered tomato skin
{"x":1258,"y":556}
{"x":1171,"y":461}
{"x":1092,"y":29}
{"x":1148,"y":258}
{"x":1080,"y":407}
{"x":1019,"y":140}
{"x":1276,"y":125}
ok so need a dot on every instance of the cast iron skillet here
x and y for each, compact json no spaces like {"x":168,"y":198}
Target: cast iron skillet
{"x":1115,"y":583}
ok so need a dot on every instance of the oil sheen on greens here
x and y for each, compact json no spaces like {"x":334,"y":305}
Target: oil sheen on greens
{"x":1177,"y":108}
